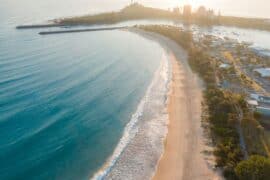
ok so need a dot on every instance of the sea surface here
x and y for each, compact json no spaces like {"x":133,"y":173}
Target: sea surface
{"x":67,"y":100}
{"x":71,"y":105}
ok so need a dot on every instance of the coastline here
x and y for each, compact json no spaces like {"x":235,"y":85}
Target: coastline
{"x":185,"y":151}
{"x":139,"y":149}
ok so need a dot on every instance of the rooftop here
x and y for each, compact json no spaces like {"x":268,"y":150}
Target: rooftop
{"x":264,"y":72}
{"x":224,"y":66}
{"x":252,"y":102}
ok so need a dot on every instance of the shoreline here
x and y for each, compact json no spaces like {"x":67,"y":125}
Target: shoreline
{"x":139,"y":149}
{"x":185,"y":154}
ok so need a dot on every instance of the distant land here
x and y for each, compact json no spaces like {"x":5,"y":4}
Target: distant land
{"x":139,"y":12}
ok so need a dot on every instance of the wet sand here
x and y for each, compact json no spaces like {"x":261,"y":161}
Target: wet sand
{"x":185,"y":144}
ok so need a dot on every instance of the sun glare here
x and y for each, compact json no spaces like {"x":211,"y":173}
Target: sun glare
{"x":195,"y":3}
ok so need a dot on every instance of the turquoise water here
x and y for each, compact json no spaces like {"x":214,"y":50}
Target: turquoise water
{"x":66,"y":99}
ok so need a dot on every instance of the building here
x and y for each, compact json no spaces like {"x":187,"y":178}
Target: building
{"x":201,"y":12}
{"x":263,"y":72}
{"x":253,"y":104}
{"x":264,"y":99}
{"x":176,"y":10}
{"x":211,"y":14}
{"x":260,"y":98}
{"x":224,"y":66}
{"x":263,"y":110}
{"x":187,"y":11}
{"x":254,"y":96}
{"x":260,"y":104}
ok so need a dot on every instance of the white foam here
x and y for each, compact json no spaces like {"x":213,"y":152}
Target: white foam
{"x":147,"y":125}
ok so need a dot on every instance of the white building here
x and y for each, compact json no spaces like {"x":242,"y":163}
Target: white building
{"x":253,"y":103}
{"x":224,"y":66}
{"x":264,"y":72}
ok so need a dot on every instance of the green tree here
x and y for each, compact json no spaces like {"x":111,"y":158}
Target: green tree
{"x":255,"y":168}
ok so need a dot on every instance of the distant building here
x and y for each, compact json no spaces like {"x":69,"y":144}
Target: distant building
{"x":187,"y":11}
{"x":176,"y":10}
{"x":201,"y":12}
{"x":204,"y":14}
{"x":210,"y":14}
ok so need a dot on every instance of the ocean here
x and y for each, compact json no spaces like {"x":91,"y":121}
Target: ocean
{"x":68,"y":102}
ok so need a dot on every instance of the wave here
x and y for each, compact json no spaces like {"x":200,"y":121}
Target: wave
{"x":150,"y":117}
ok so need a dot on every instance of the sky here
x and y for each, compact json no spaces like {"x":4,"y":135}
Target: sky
{"x":246,"y":8}
{"x":242,"y":8}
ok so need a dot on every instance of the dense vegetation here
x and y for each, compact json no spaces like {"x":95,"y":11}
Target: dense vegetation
{"x":131,"y":12}
{"x":223,"y":118}
{"x":222,"y":107}
{"x":184,"y":38}
{"x":255,"y":168}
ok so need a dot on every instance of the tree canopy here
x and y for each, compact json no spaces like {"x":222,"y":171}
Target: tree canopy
{"x":255,"y":168}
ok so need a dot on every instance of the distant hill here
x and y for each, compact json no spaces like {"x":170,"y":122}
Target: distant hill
{"x":131,"y":12}
{"x":137,"y":12}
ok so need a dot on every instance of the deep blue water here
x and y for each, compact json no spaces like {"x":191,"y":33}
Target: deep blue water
{"x":65,"y":99}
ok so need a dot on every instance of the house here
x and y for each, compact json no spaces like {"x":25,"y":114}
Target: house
{"x":260,"y":104}
{"x":263,"y":72}
{"x":224,"y":66}
{"x":263,"y":110}
{"x":253,"y":104}
{"x":254,"y":96}
{"x":264,"y":99}
{"x":260,"y":98}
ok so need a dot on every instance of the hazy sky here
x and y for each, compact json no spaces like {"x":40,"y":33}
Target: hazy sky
{"x":250,"y":8}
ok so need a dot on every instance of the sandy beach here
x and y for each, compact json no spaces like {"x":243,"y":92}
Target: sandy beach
{"x":184,"y":155}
